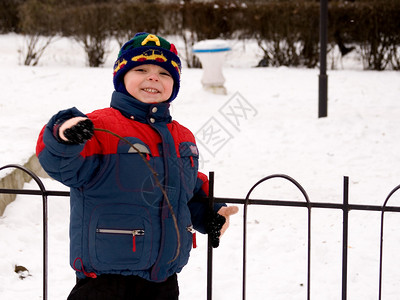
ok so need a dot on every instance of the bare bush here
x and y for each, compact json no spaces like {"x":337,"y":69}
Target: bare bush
{"x":34,"y":47}
{"x":287,"y":31}
{"x":395,"y":57}
{"x":131,"y":18}
{"x":90,"y":26}
{"x":38,"y":24}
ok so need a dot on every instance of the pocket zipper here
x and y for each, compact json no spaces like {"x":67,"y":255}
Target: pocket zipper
{"x":121,"y":231}
{"x":134,"y":233}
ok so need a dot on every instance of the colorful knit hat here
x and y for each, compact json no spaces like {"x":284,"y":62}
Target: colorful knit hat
{"x":145,"y":48}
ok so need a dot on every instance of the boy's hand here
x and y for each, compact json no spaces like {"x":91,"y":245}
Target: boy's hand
{"x":227,"y":211}
{"x":76,"y":130}
{"x":219,"y":222}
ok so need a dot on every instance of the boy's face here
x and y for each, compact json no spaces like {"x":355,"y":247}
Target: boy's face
{"x":149,"y":83}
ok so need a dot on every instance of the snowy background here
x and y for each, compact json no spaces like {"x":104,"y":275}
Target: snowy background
{"x":280,"y":133}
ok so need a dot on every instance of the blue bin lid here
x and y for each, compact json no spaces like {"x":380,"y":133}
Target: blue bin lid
{"x":209,"y":46}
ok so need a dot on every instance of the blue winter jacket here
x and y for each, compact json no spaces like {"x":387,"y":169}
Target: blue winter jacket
{"x":120,"y":222}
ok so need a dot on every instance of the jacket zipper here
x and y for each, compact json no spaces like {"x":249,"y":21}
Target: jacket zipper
{"x":134,"y":233}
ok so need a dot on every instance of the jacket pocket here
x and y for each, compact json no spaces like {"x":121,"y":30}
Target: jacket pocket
{"x":120,"y":237}
{"x":132,"y":170}
{"x":189,"y":166}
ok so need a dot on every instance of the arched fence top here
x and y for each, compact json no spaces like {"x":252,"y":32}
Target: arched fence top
{"x":286,"y":177}
{"x":390,"y":195}
{"x":29,"y":172}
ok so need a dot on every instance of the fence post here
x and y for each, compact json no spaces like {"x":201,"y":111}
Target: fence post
{"x":345,"y":235}
{"x":209,"y":244}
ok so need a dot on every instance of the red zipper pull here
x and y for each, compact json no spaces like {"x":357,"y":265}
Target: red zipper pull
{"x":134,"y":242}
{"x":193,"y":232}
{"x":194,"y":240}
{"x":191,"y":161}
{"x":134,"y":234}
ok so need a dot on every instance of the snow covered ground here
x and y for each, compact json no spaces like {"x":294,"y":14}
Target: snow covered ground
{"x":276,"y":131}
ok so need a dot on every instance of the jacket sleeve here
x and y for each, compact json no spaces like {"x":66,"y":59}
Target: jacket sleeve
{"x":61,"y":161}
{"x":198,"y":205}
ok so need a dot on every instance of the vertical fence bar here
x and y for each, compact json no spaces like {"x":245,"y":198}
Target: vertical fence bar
{"x":244,"y":256}
{"x":209,"y":244}
{"x":381,"y":257}
{"x":45,"y":247}
{"x":345,"y":235}
{"x":309,"y":254}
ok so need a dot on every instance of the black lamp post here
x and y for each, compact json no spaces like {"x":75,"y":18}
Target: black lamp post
{"x":323,"y":78}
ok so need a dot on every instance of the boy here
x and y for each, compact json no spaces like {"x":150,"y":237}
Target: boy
{"x":136,"y":194}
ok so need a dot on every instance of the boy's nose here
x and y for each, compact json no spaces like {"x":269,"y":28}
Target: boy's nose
{"x":153,"y":77}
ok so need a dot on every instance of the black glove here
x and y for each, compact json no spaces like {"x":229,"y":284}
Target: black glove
{"x":213,"y":228}
{"x":79,"y":133}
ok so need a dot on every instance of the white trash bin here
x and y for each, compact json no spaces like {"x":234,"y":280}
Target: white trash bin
{"x":212,"y":56}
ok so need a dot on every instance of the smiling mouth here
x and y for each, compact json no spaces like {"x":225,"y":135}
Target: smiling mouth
{"x":151,"y":91}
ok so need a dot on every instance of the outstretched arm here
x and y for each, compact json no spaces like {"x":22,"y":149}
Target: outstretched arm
{"x":60,"y":150}
{"x":214,"y":223}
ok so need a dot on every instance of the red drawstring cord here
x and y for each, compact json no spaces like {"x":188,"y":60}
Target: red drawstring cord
{"x":134,"y":244}
{"x":91,"y":274}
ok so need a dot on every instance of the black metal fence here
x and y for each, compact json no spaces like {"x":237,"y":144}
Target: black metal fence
{"x":307,"y":204}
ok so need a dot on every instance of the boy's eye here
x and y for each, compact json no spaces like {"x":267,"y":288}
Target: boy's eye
{"x":165,"y":73}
